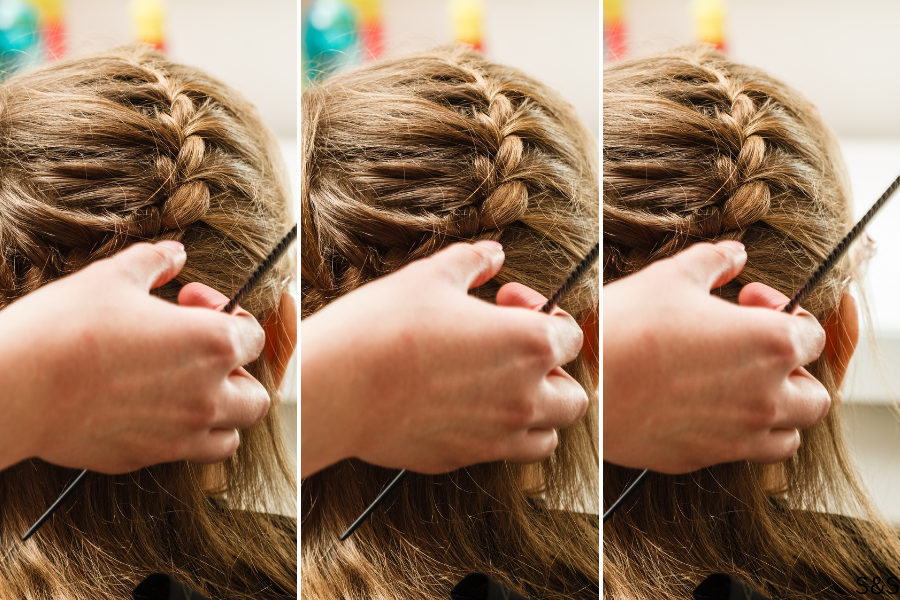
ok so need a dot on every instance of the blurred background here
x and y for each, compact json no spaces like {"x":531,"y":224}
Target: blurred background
{"x":841,"y":56}
{"x":557,"y":43}
{"x":252,"y":46}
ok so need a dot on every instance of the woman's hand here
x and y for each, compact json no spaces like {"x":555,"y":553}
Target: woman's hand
{"x":99,"y":374}
{"x":690,"y":380}
{"x":409,"y":371}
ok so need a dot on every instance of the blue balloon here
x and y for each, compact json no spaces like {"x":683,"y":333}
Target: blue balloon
{"x":19,"y":35}
{"x":330,"y":39}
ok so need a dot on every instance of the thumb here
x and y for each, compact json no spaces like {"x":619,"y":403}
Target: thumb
{"x":711,"y":266}
{"x":468,"y":265}
{"x":149,"y":265}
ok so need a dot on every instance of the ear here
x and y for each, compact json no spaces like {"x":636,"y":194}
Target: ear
{"x":281,"y":336}
{"x":591,"y":330}
{"x":841,"y":336}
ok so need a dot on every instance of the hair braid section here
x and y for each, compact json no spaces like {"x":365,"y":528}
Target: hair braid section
{"x":697,"y":148}
{"x":150,"y":150}
{"x":407,"y":158}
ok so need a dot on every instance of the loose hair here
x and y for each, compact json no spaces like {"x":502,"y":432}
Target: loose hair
{"x":98,"y":153}
{"x":697,"y":147}
{"x":401,"y":158}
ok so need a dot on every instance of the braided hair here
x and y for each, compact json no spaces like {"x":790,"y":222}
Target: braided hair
{"x":98,"y":153}
{"x":699,"y":148}
{"x":401,"y":158}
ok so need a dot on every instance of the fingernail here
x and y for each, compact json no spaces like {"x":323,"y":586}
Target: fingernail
{"x":734,"y":244}
{"x":491,"y":244}
{"x":172,"y":244}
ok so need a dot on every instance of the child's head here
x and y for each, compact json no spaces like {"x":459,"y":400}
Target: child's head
{"x":698,"y":148}
{"x":98,"y":153}
{"x":401,"y":158}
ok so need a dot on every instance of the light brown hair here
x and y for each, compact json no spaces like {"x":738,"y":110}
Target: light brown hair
{"x":697,"y":147}
{"x":97,"y":153}
{"x":401,"y":158}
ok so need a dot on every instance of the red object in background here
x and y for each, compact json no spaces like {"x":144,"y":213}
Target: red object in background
{"x":372,"y":35}
{"x":614,"y":40}
{"x":54,"y":35}
{"x":614,"y":46}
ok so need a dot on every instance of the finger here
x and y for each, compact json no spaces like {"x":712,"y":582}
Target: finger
{"x":561,"y":402}
{"x":762,"y":296}
{"x":468,"y":265}
{"x":777,"y":446}
{"x":247,"y":336}
{"x":532,"y":446}
{"x":710,"y":266}
{"x":202,"y":296}
{"x":149,"y":265}
{"x":243,"y":402}
{"x":214,"y":446}
{"x":516,"y":294}
{"x":808,"y":336}
{"x":566,"y":337}
{"x":804,"y":401}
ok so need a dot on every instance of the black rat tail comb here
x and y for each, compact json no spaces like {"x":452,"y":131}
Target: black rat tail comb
{"x":799,"y":297}
{"x":264,"y":267}
{"x":573,"y":277}
{"x":561,"y":291}
{"x":840,"y":249}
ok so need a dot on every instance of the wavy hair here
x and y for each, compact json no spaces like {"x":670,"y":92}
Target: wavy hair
{"x":97,"y":153}
{"x":697,"y":147}
{"x":401,"y":158}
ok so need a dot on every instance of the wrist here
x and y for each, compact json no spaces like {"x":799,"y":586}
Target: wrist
{"x":327,"y":435}
{"x":17,"y":432}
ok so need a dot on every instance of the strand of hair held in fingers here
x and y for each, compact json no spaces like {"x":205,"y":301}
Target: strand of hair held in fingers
{"x":830,"y":261}
{"x":264,"y":267}
{"x":555,"y":298}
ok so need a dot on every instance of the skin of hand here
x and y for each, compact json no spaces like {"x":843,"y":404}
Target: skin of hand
{"x":690,"y":380}
{"x":410,"y":371}
{"x":99,"y":374}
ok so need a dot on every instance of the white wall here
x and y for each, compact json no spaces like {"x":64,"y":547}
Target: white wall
{"x":841,"y":55}
{"x":251,"y":46}
{"x":557,"y":42}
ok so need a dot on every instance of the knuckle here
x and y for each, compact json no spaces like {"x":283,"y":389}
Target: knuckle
{"x":174,"y":451}
{"x":764,"y":414}
{"x":782,"y":345}
{"x":492,"y":450}
{"x":203,"y":414}
{"x":540,"y":345}
{"x":552,"y":442}
{"x":222,"y":344}
{"x":522,"y":414}
{"x":736,"y":450}
{"x":231,"y":447}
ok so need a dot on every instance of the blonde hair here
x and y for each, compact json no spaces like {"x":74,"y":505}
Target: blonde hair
{"x":401,"y":158}
{"x":98,"y":153}
{"x":697,"y":147}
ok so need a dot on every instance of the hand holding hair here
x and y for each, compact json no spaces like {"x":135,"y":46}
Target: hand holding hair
{"x":691,"y":380}
{"x":411,"y":372}
{"x":99,"y":374}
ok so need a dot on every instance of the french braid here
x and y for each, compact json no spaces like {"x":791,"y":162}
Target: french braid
{"x":401,"y":158}
{"x":700,"y":148}
{"x":487,"y":149}
{"x":720,"y":168}
{"x":98,"y":153}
